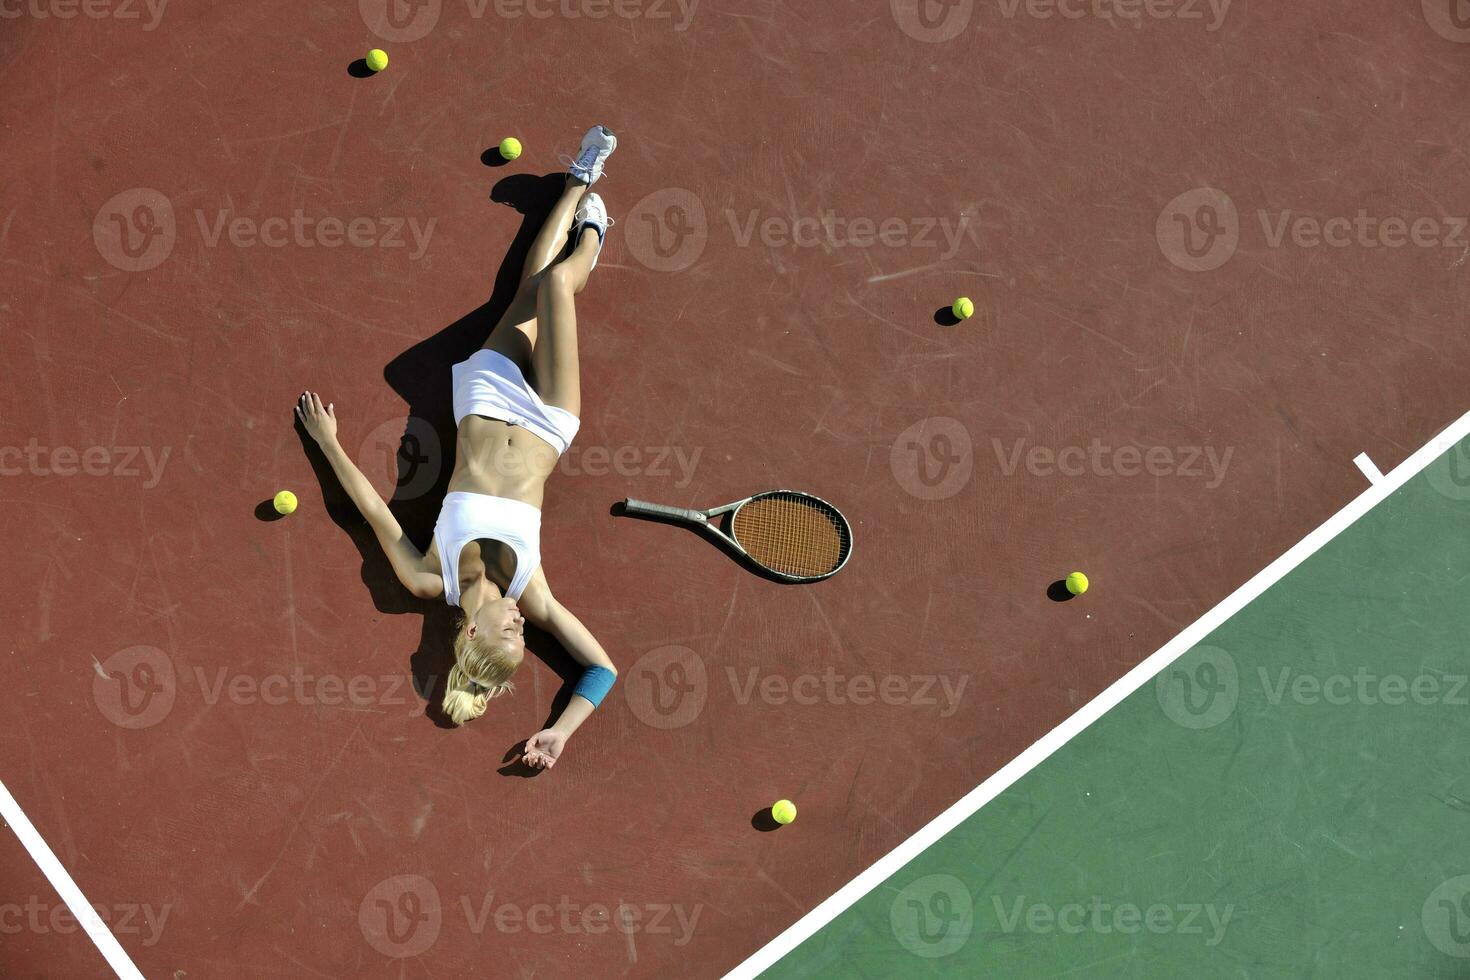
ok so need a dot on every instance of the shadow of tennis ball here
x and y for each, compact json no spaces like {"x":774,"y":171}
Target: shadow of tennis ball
{"x":667,"y":688}
{"x":1200,"y":689}
{"x":401,"y":916}
{"x":933,"y":916}
{"x":1446,"y":917}
{"x":765,"y":821}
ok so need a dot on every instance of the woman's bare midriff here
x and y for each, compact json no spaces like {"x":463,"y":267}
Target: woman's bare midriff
{"x":500,"y":459}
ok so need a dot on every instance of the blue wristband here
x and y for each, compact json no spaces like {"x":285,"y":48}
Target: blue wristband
{"x":594,"y":684}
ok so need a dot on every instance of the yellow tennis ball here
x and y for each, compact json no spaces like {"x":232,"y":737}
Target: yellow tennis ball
{"x":377,"y":59}
{"x":510,"y":147}
{"x":1076,"y":583}
{"x":963,"y":308}
{"x":783,"y":811}
{"x":285,"y":502}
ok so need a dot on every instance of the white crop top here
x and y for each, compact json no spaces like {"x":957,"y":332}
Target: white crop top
{"x":466,"y":517}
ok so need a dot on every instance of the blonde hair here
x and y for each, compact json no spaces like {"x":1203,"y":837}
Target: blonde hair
{"x":482,"y":670}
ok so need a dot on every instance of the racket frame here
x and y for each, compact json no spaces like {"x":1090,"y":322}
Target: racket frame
{"x":704,"y":520}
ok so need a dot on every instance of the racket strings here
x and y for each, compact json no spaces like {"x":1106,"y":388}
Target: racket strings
{"x":793,"y":535}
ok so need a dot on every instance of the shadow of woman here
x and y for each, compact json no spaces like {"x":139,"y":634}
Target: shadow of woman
{"x":425,"y":456}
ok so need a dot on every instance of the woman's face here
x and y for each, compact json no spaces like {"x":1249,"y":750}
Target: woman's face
{"x":499,"y":619}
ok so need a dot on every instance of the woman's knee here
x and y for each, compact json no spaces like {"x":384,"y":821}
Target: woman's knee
{"x":560,"y":278}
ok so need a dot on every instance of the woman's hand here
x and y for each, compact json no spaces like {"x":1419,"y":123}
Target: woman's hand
{"x":319,"y":422}
{"x":543,"y":749}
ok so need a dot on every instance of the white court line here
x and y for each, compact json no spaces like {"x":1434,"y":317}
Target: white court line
{"x":1370,"y":469}
{"x":106,"y":942}
{"x":901,"y":855}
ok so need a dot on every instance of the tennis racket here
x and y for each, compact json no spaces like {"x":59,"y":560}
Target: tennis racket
{"x":794,"y":537}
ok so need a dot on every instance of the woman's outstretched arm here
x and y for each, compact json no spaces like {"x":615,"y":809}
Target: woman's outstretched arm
{"x":407,"y":561}
{"x":541,"y":608}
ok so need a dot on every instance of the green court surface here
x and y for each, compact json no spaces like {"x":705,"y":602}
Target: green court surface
{"x":1291,"y":798}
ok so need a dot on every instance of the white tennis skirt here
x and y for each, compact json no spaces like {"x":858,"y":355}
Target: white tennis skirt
{"x":492,"y":385}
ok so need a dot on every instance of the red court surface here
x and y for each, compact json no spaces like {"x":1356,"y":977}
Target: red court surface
{"x":204,"y":212}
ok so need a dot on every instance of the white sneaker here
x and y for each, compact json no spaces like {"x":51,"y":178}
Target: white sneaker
{"x":597,"y":146}
{"x":591,"y":214}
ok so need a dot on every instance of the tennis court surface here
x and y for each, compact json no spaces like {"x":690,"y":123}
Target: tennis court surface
{"x":1216,"y":255}
{"x":1278,"y":800}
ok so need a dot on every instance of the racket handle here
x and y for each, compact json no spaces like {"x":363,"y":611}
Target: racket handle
{"x":645,"y":509}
